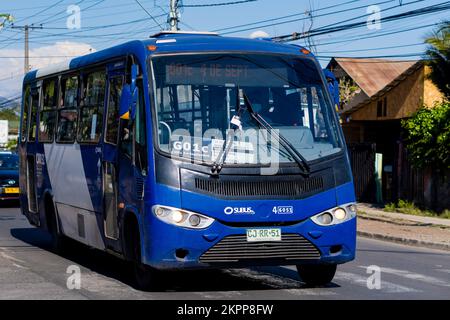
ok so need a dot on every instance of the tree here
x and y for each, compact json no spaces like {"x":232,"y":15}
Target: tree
{"x":438,"y":53}
{"x":428,"y":136}
{"x":4,"y":17}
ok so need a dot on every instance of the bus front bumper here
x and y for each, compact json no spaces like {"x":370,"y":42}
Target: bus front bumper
{"x":171,"y":247}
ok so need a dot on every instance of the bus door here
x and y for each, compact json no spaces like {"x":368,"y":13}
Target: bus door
{"x":115,"y":81}
{"x":30,"y":149}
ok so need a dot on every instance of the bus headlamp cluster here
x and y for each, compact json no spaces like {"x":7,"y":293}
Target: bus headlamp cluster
{"x":335,"y":215}
{"x":182,"y":218}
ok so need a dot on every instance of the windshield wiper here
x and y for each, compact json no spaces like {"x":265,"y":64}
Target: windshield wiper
{"x":301,"y":161}
{"x":236,"y":122}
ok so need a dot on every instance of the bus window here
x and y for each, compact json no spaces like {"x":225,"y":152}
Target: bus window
{"x":47,"y":114}
{"x":115,"y":90}
{"x":91,"y":111}
{"x":135,"y":132}
{"x":141,"y":141}
{"x":68,"y":112}
{"x":33,"y":114}
{"x":26,"y":105}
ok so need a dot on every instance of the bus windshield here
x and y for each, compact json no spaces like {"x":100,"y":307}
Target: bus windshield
{"x":199,"y":100}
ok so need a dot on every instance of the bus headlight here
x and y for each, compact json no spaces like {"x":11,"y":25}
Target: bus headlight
{"x":181,"y":218}
{"x":335,"y":215}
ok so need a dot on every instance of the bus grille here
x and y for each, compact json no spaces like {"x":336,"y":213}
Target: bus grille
{"x":236,"y":248}
{"x":292,"y":188}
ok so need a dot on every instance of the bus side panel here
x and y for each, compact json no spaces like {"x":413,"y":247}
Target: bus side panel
{"x":72,"y":193}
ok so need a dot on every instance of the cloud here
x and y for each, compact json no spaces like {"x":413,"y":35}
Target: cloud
{"x":12,"y":66}
{"x":259,"y":34}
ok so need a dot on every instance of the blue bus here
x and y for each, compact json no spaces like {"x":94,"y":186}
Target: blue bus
{"x":190,"y":150}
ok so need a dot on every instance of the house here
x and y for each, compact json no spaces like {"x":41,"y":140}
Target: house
{"x":376,"y":95}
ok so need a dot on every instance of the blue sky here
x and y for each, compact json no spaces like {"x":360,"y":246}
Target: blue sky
{"x":108,"y":22}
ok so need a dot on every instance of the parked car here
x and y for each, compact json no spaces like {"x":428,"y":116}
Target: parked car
{"x":9,"y":176}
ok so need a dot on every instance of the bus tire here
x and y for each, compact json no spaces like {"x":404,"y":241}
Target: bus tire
{"x":316,"y":274}
{"x":58,"y":241}
{"x":144,"y":276}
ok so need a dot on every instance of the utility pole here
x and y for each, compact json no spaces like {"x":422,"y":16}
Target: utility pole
{"x":173,"y":18}
{"x":26,"y":28}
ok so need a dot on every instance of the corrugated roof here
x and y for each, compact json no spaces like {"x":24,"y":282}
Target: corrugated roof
{"x":372,"y":75}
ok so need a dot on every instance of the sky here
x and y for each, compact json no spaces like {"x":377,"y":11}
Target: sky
{"x":104,"y":23}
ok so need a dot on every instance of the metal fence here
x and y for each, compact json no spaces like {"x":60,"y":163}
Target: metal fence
{"x":362,"y":159}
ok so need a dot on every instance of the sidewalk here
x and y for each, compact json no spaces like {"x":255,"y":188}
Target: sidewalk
{"x":429,"y":232}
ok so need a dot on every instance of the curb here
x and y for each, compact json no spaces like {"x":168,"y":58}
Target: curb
{"x":377,"y":236}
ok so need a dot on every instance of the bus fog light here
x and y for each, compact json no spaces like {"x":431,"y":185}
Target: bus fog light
{"x":340,"y":214}
{"x":194,"y":220}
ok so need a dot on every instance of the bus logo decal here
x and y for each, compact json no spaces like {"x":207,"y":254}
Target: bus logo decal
{"x":238,"y":210}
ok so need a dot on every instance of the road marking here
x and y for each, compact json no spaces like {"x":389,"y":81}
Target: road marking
{"x":386,"y":286}
{"x":8,"y":257}
{"x":19,"y":266}
{"x":444,"y":270}
{"x":414,"y":276}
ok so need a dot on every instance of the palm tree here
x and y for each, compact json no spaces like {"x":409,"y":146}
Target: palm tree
{"x":438,"y":54}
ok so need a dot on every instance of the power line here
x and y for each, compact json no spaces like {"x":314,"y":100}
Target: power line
{"x":303,"y":18}
{"x":288,"y":16}
{"x":376,"y":49}
{"x":327,"y":30}
{"x":137,"y":1}
{"x":219,"y":4}
{"x":41,"y":11}
{"x":380,"y":35}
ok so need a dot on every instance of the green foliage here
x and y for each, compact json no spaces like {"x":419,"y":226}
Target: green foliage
{"x":439,"y":54}
{"x":11,"y":145}
{"x":407,"y":207}
{"x":428,"y":136}
{"x":347,"y":90}
{"x":8,"y":114}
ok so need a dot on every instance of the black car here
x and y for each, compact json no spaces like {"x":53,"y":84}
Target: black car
{"x":9,"y":176}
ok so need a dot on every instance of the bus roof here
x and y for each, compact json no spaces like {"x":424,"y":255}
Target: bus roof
{"x":171,"y":42}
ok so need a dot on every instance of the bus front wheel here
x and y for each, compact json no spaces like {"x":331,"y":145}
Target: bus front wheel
{"x":316,"y":274}
{"x":145,"y":277}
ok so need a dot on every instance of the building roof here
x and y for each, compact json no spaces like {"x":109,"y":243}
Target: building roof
{"x":372,"y":75}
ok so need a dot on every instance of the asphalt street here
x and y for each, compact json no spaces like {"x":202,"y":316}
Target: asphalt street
{"x":28,"y":270}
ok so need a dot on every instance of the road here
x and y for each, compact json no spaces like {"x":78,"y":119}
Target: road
{"x":28,"y":270}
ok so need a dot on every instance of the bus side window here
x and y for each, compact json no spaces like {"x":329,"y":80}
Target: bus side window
{"x":140,"y":130}
{"x":26,"y":106}
{"x":33,"y":114}
{"x":47,"y":115}
{"x":134,"y":134}
{"x":112,"y":117}
{"x":68,"y":110}
{"x":92,"y":106}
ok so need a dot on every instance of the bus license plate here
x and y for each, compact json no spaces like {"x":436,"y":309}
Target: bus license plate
{"x":263,"y":235}
{"x":11,"y":190}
